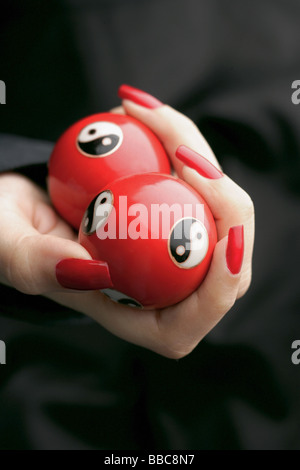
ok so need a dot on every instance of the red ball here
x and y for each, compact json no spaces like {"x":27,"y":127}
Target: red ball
{"x":95,"y":151}
{"x":157,"y":235}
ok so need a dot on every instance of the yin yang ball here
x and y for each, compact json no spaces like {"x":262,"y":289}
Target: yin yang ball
{"x":157,"y":236}
{"x":95,"y":151}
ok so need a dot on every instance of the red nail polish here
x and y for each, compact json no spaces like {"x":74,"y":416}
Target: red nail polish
{"x":235,"y":249}
{"x":127,"y":92}
{"x":82,"y":274}
{"x":197,"y":162}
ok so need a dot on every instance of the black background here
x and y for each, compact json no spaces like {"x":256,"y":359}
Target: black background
{"x":229,"y":65}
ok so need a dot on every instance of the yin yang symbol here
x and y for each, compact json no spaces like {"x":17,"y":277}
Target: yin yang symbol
{"x":99,"y":139}
{"x":97,"y":213}
{"x":188,"y":243}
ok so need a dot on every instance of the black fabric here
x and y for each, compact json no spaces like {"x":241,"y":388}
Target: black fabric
{"x":229,"y":66}
{"x":18,"y":152}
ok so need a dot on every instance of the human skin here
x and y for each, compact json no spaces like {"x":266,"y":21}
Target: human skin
{"x":34,"y":240}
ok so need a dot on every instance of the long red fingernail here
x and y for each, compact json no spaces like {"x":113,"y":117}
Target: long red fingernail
{"x":127,"y":92}
{"x":197,"y":162}
{"x":235,"y":249}
{"x":82,"y":274}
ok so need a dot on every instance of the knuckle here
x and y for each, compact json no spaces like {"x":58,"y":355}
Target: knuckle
{"x":188,"y":128}
{"x":247,"y":204}
{"x":236,"y":199}
{"x":178,"y":124}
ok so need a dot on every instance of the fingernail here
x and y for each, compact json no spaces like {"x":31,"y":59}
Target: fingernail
{"x":197,"y":162}
{"x":127,"y":92}
{"x":82,"y":274}
{"x":235,"y":249}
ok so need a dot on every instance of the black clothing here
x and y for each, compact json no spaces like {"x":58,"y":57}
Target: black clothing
{"x":69,"y":384}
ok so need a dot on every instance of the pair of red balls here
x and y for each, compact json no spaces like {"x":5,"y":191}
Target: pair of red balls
{"x":110,"y":177}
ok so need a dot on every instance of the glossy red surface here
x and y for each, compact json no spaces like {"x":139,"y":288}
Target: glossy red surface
{"x":144,"y":269}
{"x":80,"y":167}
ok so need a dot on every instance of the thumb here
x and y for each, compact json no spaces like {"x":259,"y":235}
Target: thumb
{"x":40,"y":264}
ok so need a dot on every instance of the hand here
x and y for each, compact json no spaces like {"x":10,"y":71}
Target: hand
{"x":34,"y":240}
{"x":184,"y":143}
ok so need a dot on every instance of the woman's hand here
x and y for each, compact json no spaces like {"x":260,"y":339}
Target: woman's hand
{"x":229,"y":203}
{"x":33,"y":238}
{"x":34,"y":241}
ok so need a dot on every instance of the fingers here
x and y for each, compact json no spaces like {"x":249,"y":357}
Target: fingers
{"x":229,"y":203}
{"x":187,"y":323}
{"x":196,"y":163}
{"x":175,"y":331}
{"x":39,"y":264}
{"x":39,"y":254}
{"x":38,"y":251}
{"x":171,"y":127}
{"x":28,"y":259}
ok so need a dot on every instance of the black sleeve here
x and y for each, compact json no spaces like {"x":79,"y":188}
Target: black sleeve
{"x":26,"y":156}
{"x":19,"y":152}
